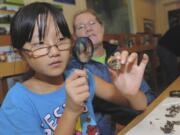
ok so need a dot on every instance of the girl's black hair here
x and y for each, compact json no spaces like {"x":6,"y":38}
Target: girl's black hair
{"x":23,"y":22}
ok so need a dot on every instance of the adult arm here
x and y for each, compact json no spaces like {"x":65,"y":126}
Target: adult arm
{"x":127,"y":82}
{"x":109,"y":92}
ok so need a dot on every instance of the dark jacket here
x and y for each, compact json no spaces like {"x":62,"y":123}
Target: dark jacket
{"x":110,"y":49}
{"x":171,"y":40}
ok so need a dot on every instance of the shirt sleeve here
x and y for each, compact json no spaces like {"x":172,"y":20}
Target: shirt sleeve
{"x":15,"y":120}
{"x":147,"y":91}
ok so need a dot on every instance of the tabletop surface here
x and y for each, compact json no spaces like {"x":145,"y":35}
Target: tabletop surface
{"x":174,"y":86}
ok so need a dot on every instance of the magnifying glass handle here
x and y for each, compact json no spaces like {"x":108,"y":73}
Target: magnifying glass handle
{"x":81,"y":66}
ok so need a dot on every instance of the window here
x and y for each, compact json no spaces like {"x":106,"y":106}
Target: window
{"x":114,"y":14}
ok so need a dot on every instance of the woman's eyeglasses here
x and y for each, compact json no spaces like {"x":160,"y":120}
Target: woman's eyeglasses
{"x":83,"y":27}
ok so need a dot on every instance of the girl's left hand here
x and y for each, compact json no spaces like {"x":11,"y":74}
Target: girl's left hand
{"x":128,"y":78}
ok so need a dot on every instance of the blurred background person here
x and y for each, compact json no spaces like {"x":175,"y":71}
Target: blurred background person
{"x":168,"y":50}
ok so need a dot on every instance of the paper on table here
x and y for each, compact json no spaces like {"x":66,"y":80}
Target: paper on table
{"x":151,"y":124}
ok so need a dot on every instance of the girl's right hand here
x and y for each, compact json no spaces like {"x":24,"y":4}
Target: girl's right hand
{"x":77,"y":89}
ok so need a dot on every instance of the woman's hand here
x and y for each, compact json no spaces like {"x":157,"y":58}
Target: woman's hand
{"x":128,"y":78}
{"x":77,"y":91}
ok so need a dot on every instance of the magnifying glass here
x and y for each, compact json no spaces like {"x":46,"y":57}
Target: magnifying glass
{"x":83,"y":50}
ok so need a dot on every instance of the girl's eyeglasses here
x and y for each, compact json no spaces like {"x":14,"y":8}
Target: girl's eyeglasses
{"x":42,"y":48}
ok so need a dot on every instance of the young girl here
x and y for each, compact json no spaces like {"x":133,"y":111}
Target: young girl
{"x":46,"y":103}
